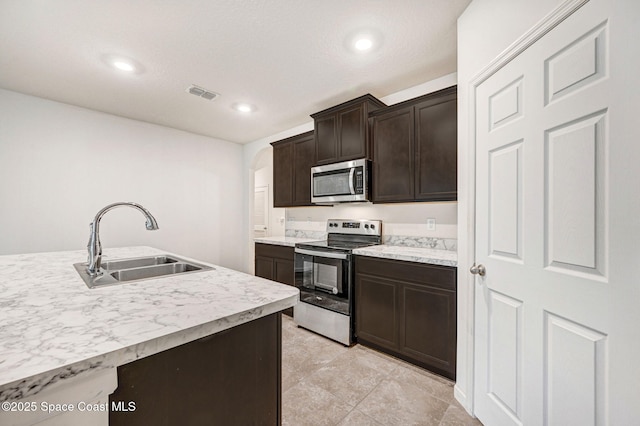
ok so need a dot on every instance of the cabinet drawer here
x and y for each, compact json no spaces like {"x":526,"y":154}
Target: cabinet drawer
{"x":275,"y":251}
{"x":420,"y":274}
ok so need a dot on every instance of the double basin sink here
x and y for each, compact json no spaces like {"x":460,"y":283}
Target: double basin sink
{"x":120,"y":271}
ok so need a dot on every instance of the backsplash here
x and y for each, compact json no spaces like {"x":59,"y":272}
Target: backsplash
{"x":301,"y":233}
{"x":428,"y":242}
{"x":397,"y":234}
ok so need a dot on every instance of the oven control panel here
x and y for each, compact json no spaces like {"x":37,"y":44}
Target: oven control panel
{"x":354,"y":227}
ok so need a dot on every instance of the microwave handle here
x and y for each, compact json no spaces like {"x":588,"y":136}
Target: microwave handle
{"x":351,"y":186}
{"x":322,"y":254}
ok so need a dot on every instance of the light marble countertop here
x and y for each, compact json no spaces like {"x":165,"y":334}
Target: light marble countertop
{"x":386,"y":251}
{"x":53,"y":326}
{"x":284,"y":241}
{"x":411,"y":254}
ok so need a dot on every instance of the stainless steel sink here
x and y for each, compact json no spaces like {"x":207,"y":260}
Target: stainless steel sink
{"x":120,"y":271}
{"x":153,"y":271}
{"x":137,"y":263}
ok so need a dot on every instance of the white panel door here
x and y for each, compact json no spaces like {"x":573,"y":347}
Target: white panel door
{"x":261,"y":212}
{"x":557,"y":313}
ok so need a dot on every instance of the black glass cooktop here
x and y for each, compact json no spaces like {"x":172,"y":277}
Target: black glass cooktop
{"x":337,"y":245}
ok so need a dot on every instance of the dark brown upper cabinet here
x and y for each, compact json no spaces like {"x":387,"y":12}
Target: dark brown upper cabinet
{"x":292,"y":161}
{"x":341,"y":132}
{"x":414,"y":149}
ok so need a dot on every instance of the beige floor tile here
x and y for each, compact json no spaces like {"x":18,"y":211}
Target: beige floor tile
{"x":375,"y":359}
{"x":358,"y":418}
{"x":296,"y":358}
{"x":307,"y":404}
{"x":441,"y":389}
{"x":396,"y":403}
{"x":348,"y":377}
{"x":290,"y":377}
{"x":455,"y":416}
{"x":311,"y":357}
{"x":322,"y":382}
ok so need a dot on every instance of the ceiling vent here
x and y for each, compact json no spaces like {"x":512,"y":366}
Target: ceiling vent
{"x":203,"y":93}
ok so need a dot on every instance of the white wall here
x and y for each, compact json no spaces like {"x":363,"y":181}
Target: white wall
{"x":485,"y":29}
{"x":60,"y":164}
{"x":443,"y":212}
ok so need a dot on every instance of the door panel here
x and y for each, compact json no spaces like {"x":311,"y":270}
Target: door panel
{"x":427,"y":326}
{"x":505,"y":352}
{"x":377,"y":310}
{"x":261,"y":211}
{"x":303,"y":160}
{"x":326,"y":140}
{"x":575,"y":194}
{"x":282,"y":174}
{"x":393,"y":172}
{"x":575,"y":368}
{"x":578,"y":64}
{"x":548,"y":318}
{"x":506,"y":104}
{"x":351,"y":134}
{"x":505,"y":203}
{"x":436,"y":128}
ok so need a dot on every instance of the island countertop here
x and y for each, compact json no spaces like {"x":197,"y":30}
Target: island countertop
{"x":54,"y":327}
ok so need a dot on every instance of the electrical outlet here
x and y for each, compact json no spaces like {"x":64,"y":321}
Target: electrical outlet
{"x":431,"y":224}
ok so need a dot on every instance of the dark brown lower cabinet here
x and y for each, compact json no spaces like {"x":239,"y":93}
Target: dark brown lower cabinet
{"x":408,"y":310}
{"x":229,"y":378}
{"x":275,"y":263}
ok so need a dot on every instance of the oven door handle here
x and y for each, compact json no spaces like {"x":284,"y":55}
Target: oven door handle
{"x":329,"y":254}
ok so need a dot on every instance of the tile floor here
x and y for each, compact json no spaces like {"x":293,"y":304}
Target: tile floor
{"x":325,"y":383}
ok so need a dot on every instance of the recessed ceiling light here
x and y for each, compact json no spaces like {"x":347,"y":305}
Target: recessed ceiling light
{"x":242,"y":107}
{"x":124,"y":66}
{"x":122,"y":63}
{"x":363,"y":40}
{"x":363,"y":44}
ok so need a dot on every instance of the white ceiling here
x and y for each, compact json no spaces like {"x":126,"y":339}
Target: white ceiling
{"x":288,"y":57}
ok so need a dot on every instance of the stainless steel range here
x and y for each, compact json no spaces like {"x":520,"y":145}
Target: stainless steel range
{"x":324,"y":274}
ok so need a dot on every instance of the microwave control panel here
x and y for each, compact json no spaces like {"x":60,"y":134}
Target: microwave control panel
{"x":359,"y":181}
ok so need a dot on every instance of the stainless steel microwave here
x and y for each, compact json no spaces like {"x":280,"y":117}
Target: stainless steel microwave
{"x":341,"y":182}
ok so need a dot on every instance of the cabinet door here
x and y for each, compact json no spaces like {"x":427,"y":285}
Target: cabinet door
{"x":303,"y":160}
{"x":282,"y":174}
{"x":264,"y":267}
{"x":436,"y":149}
{"x":275,"y":263}
{"x":326,"y":139}
{"x":428,"y":327}
{"x":376,"y":305}
{"x":283,"y":271}
{"x":351,"y":134}
{"x":393,"y":156}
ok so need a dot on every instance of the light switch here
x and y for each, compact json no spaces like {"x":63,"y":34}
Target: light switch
{"x":431,"y":224}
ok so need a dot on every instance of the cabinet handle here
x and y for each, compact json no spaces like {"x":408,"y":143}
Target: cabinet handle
{"x":478,"y":270}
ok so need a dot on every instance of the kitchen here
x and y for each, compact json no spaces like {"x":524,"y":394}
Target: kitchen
{"x":61,"y":163}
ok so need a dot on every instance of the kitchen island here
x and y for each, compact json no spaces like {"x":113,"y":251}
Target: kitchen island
{"x":63,"y":343}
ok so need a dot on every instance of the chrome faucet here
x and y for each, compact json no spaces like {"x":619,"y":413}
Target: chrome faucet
{"x":95,"y":248}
